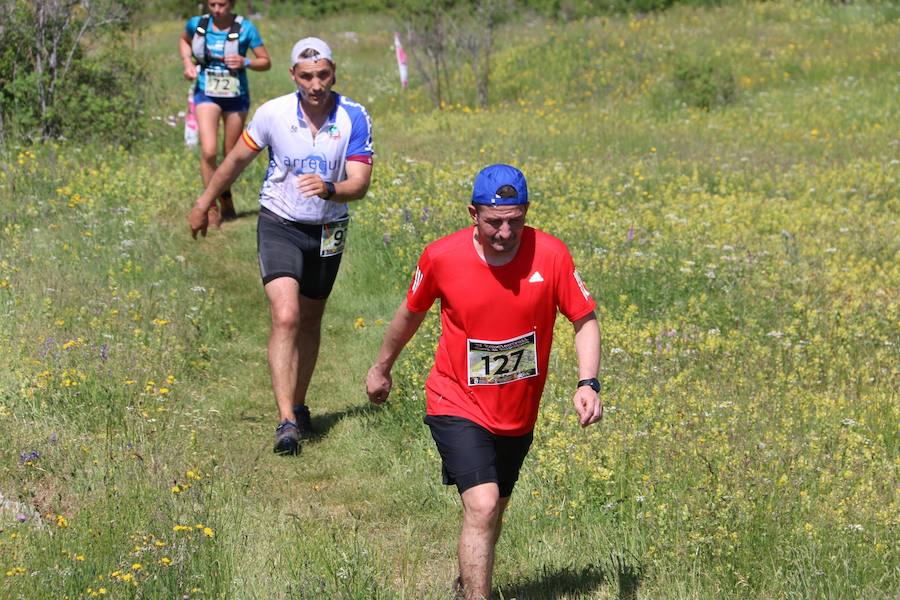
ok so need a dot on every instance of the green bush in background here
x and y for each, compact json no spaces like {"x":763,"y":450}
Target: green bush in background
{"x":66,"y":72}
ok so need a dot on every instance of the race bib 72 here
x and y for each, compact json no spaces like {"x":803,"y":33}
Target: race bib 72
{"x":220,"y":83}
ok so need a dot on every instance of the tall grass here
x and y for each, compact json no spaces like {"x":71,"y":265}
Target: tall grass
{"x":743,"y":250}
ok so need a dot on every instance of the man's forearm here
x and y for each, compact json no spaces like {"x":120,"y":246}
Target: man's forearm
{"x":587,"y":346}
{"x":227,"y":172}
{"x":359,"y":175}
{"x":349,"y":190}
{"x":400,"y":330}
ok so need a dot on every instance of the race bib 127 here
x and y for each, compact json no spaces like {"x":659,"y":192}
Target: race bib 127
{"x":497,"y":362}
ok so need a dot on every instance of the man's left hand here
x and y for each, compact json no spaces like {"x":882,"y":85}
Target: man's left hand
{"x":588,"y":405}
{"x":311,"y":185}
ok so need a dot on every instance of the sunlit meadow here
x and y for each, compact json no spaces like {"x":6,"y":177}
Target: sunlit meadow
{"x":727,"y":181}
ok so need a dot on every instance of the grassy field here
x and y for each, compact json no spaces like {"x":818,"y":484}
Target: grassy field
{"x":727,"y":181}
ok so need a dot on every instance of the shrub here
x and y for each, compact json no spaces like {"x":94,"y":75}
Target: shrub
{"x":65,"y":72}
{"x":703,"y":82}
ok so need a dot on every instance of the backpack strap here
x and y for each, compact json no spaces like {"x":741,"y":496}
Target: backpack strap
{"x":198,"y":43}
{"x":233,"y":38}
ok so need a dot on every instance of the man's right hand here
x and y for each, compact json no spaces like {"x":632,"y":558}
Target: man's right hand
{"x":198,"y":221}
{"x":378,"y":385}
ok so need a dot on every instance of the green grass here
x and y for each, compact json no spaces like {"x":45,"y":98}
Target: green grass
{"x":750,"y":322}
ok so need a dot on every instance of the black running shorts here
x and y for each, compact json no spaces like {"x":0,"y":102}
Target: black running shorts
{"x":311,"y":254}
{"x":472,"y":455}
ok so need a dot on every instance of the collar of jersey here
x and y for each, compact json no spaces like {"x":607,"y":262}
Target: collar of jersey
{"x":331,"y":116}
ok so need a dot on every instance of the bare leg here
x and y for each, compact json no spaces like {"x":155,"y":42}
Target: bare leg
{"x":284,"y":305}
{"x":208,"y":129}
{"x":208,"y":115}
{"x":293,"y":342}
{"x":234,"y":125}
{"x":308,"y":338}
{"x":482,"y":517}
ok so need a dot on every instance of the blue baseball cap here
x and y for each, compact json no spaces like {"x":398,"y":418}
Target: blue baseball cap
{"x":489,"y":181}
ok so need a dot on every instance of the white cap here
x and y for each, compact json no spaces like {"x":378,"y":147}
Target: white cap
{"x":311,"y":43}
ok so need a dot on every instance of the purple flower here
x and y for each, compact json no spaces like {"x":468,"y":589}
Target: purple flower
{"x":630,"y":236}
{"x":21,"y":517}
{"x":104,"y":352}
{"x":49,"y":343}
{"x":28,"y":457}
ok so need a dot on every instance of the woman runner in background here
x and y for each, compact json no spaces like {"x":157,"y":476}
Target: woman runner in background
{"x":213,"y":49}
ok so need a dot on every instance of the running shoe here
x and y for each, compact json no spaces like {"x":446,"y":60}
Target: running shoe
{"x":287,"y":438}
{"x":227,"y":206}
{"x":304,"y":422}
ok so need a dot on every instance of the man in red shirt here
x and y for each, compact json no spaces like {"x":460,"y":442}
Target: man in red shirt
{"x":500,"y":284}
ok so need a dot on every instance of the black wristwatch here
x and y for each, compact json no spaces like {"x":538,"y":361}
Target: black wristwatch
{"x":593,"y":382}
{"x":329,"y":190}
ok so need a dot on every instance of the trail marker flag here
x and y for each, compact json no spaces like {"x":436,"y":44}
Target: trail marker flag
{"x":401,"y":60}
{"x":190,"y":121}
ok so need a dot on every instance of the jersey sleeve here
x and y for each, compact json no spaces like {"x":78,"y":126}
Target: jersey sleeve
{"x":423,"y":289}
{"x":253,"y":36}
{"x":190,"y":28}
{"x":256,"y":136}
{"x":360,"y":146}
{"x":572,"y":296}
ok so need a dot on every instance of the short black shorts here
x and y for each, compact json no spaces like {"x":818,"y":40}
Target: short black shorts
{"x":289,"y":249}
{"x":472,"y":455}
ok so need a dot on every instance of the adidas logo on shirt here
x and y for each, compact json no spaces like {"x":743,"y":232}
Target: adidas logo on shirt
{"x":535,"y":277}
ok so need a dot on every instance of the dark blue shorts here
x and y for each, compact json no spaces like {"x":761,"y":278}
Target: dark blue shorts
{"x":472,"y":455}
{"x":290,"y":249}
{"x":238,"y":104}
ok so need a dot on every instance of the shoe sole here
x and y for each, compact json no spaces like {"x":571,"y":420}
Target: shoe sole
{"x":287,"y":451}
{"x":287,"y":447}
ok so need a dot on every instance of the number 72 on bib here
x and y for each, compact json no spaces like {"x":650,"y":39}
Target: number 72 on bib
{"x":498,"y":362}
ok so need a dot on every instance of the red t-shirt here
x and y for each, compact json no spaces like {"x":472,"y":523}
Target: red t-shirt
{"x":496,"y":326}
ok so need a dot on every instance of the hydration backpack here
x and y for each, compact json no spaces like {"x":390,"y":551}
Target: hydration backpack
{"x":198,"y":44}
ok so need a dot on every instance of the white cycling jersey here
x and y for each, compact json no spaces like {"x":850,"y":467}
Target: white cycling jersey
{"x":293,"y":151}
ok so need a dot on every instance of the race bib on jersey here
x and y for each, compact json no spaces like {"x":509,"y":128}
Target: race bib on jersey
{"x":495,"y":363}
{"x":220,"y":83}
{"x":333,"y":237}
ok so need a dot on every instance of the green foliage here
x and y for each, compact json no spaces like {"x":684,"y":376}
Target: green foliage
{"x":745,"y":261}
{"x":104,"y":97}
{"x":567,"y":10}
{"x":579,"y":9}
{"x":703,"y":82}
{"x":65,"y":72}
